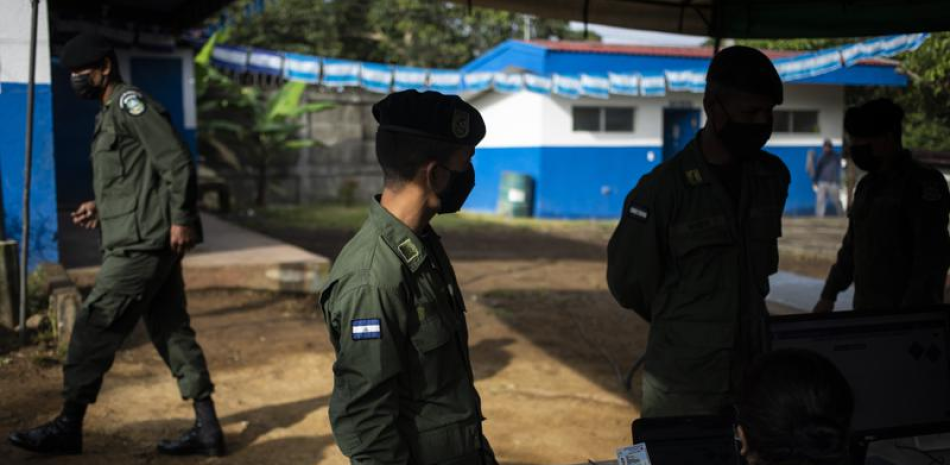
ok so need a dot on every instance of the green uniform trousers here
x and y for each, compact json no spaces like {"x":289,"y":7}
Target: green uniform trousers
{"x":130,"y":286}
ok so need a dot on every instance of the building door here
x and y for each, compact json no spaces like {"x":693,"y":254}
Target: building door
{"x":679,"y":127}
{"x":161,"y":78}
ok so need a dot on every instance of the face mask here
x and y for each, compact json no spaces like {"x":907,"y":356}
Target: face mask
{"x":83,"y":87}
{"x":456,"y":192}
{"x":743,"y":140}
{"x":864,"y":158}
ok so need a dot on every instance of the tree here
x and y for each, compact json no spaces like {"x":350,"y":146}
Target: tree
{"x":246,"y":127}
{"x":421,"y":33}
{"x":926,"y":100}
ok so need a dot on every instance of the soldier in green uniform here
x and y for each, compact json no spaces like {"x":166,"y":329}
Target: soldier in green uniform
{"x":697,"y":242}
{"x":896,"y":250}
{"x":146,"y":211}
{"x":404,"y":392}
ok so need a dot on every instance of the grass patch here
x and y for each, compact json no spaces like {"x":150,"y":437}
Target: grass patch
{"x":350,"y":218}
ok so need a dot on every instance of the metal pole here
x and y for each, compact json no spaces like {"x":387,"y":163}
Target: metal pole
{"x":27,"y":173}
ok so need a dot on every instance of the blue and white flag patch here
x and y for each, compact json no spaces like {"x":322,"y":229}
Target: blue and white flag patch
{"x":367,"y":329}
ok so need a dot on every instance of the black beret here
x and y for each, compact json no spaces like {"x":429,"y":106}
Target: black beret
{"x":85,"y":50}
{"x":874,"y":118}
{"x":430,"y":115}
{"x":748,"y":70}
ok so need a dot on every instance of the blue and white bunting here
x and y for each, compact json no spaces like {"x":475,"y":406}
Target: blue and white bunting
{"x":406,"y":78}
{"x":686,"y":81}
{"x":478,"y":82}
{"x":231,"y":58}
{"x":382,"y":78}
{"x":624,"y":84}
{"x":376,"y":78}
{"x":341,"y":73}
{"x":265,"y":62}
{"x":652,"y":85}
{"x":537,"y":84}
{"x":303,"y":68}
{"x":808,"y":65}
{"x":881,"y":47}
{"x":446,"y":82}
{"x":595,"y":86}
{"x":567,"y":86}
{"x":508,"y":83}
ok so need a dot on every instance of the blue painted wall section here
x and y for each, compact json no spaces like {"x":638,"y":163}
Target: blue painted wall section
{"x":592,"y":182}
{"x":489,"y":163}
{"x":43,"y":245}
{"x":589,"y":182}
{"x":570,"y":182}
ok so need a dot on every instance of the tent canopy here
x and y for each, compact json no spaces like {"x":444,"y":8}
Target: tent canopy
{"x":166,"y":14}
{"x":745,"y":18}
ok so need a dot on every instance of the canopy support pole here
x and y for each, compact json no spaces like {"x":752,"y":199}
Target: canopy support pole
{"x":586,"y":18}
{"x":27,"y":173}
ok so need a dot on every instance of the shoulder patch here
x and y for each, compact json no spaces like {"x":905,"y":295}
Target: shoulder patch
{"x":367,"y":329}
{"x":694,"y":177}
{"x":408,"y":250}
{"x":132,"y":102}
{"x":638,"y":212}
{"x":931,"y":193}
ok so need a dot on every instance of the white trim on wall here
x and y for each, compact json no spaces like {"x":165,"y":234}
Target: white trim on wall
{"x":15,"y":43}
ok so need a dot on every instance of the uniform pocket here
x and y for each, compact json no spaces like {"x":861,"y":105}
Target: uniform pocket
{"x":699,"y":247}
{"x":691,"y":357}
{"x":431,"y":335}
{"x":436,"y":367}
{"x":691,"y":236}
{"x":108,"y":307}
{"x":454,"y":444}
{"x":106,"y":160}
{"x":119,"y":224}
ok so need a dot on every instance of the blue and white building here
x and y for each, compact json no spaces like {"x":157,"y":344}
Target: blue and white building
{"x":585,"y":153}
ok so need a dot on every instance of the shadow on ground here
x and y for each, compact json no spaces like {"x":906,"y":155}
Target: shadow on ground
{"x":584,"y":330}
{"x":495,"y":243}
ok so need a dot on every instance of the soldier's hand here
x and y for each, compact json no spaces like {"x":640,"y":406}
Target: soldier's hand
{"x":86,"y":216}
{"x":824,"y":306}
{"x":182,"y":239}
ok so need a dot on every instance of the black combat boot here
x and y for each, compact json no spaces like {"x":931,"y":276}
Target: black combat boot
{"x":62,"y":436}
{"x":205,"y":438}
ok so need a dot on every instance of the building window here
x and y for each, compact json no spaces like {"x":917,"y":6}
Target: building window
{"x":587,"y":119}
{"x":603,"y":119}
{"x":796,"y":122}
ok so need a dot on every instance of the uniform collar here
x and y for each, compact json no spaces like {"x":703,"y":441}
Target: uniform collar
{"x":403,"y":242}
{"x":117,"y":90}
{"x":695,"y":163}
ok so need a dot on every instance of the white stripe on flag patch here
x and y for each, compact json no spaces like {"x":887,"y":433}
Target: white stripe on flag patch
{"x":367,"y":329}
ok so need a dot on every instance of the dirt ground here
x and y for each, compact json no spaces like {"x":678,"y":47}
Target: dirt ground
{"x":549,"y":348}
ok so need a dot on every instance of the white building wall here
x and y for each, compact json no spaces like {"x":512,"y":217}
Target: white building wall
{"x":828,"y":100}
{"x":15,"y":43}
{"x":526,"y":119}
{"x":648,"y":120}
{"x":512,"y":120}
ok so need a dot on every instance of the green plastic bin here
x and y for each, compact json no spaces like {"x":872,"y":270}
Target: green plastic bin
{"x":516,"y":195}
